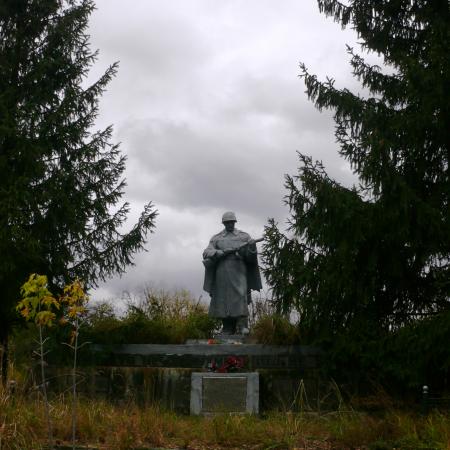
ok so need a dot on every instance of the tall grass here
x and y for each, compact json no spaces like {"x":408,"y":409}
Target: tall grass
{"x":126,"y":426}
{"x":267,"y":326}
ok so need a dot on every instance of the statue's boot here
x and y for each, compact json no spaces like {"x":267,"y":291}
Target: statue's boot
{"x":242,"y":326}
{"x":229,"y":326}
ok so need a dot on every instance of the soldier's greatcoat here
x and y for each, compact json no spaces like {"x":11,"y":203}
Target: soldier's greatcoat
{"x":230,"y":279}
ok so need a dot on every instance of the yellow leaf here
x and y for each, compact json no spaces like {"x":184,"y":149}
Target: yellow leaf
{"x":36,"y":299}
{"x":25,"y":312}
{"x":45,"y":318}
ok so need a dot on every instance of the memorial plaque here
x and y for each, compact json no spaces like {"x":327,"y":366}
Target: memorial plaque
{"x":217,"y":393}
{"x":223,"y":395}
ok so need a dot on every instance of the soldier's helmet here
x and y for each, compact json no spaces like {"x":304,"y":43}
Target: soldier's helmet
{"x":229,"y":216}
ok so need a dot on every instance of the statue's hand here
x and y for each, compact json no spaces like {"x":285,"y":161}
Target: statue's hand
{"x":219,"y":253}
{"x":251,"y":246}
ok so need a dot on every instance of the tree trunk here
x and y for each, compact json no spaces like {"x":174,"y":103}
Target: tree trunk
{"x":4,"y":357}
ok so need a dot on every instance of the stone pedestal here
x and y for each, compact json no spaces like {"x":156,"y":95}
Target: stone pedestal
{"x":161,"y":374}
{"x":224,"y":393}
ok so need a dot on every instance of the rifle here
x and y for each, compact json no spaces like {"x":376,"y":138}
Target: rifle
{"x":230,"y":251}
{"x":208,"y":262}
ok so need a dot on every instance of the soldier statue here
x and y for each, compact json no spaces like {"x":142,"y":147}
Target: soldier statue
{"x":231,"y":272}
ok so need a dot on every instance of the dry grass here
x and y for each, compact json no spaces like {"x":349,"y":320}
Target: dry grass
{"x":126,"y":426}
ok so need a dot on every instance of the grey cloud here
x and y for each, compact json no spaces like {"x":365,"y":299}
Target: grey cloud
{"x":191,"y":169}
{"x":149,"y":38}
{"x":240,"y":155}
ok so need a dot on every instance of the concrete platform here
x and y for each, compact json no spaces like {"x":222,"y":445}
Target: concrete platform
{"x":198,"y":356}
{"x":161,"y":374}
{"x":234,"y":339}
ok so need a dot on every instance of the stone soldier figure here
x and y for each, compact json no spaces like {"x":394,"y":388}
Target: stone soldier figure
{"x":231,"y":272}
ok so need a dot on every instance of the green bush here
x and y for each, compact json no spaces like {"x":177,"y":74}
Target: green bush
{"x":276,"y":330}
{"x":160,"y":317}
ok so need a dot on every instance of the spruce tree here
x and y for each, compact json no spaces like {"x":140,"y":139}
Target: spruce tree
{"x":373,"y":257}
{"x":60,"y":181}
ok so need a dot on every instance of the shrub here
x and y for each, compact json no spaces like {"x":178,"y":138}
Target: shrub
{"x":159,"y":317}
{"x":275,"y":329}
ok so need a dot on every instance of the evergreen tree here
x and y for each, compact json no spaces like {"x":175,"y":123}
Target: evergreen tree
{"x":60,"y":182}
{"x":376,"y":256}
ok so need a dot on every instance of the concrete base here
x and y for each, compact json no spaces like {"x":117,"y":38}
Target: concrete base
{"x":161,"y":374}
{"x":200,"y":355}
{"x":232,"y":339}
{"x":224,"y":393}
{"x":170,"y":388}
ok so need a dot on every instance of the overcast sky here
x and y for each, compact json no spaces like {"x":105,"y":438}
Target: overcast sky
{"x":210,"y":111}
